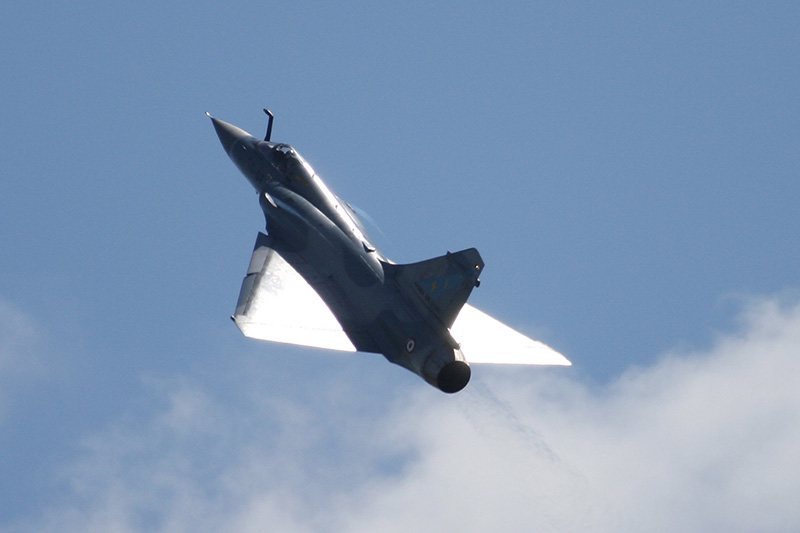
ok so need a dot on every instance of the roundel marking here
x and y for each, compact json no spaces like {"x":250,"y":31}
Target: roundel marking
{"x":411,"y":344}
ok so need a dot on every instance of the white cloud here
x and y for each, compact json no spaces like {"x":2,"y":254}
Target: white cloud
{"x":699,"y":441}
{"x":20,"y":352}
{"x":17,"y":335}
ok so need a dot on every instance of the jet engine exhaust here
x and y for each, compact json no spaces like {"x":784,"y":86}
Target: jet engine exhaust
{"x":453,"y":377}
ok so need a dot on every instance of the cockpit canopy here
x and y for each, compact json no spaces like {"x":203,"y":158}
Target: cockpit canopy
{"x":268,"y":148}
{"x":285,"y":159}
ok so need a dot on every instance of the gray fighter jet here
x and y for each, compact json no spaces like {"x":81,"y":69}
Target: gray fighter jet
{"x":316,"y":279}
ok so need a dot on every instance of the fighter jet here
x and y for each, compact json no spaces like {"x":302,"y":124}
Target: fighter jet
{"x":316,"y":279}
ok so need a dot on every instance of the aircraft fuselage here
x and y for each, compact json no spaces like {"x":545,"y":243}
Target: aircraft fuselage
{"x":325,"y":242}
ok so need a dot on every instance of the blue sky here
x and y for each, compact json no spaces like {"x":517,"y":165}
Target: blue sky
{"x":629,"y":174}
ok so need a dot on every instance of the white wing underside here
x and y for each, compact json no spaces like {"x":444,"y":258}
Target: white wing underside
{"x":277,"y":304}
{"x":485,"y":339}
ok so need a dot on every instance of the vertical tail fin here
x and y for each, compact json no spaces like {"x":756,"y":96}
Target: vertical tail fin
{"x":440,"y":285}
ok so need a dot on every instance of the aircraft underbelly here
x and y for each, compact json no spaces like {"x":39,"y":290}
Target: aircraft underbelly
{"x":337,"y":269}
{"x":373,"y":313}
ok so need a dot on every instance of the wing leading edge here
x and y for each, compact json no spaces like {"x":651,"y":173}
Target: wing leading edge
{"x":277,"y":304}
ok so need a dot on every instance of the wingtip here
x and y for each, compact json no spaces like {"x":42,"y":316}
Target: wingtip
{"x":208,"y":115}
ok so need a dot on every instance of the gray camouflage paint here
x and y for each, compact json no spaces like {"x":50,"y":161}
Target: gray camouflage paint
{"x":400,"y":311}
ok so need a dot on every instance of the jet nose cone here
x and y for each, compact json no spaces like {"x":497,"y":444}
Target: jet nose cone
{"x":228,"y":133}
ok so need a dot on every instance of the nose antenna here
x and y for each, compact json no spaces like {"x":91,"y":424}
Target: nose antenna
{"x":269,"y":124}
